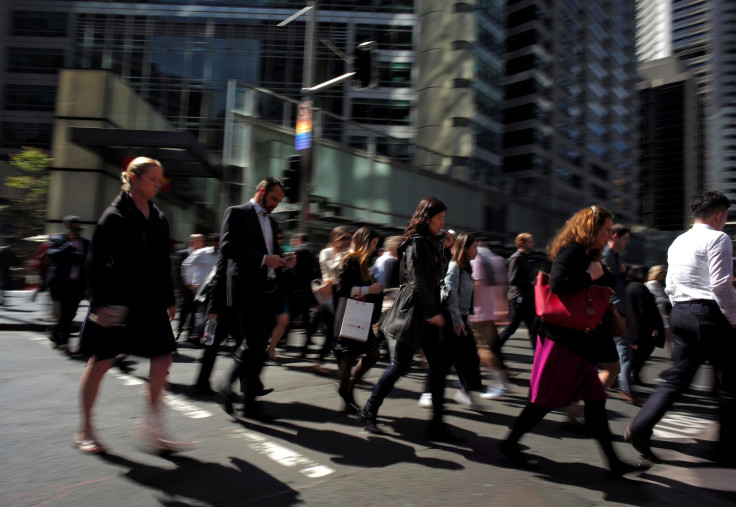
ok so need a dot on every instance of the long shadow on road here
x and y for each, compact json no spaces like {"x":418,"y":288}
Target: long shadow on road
{"x":211,"y":483}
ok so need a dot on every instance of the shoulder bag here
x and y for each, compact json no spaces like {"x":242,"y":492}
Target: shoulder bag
{"x":582,"y":310}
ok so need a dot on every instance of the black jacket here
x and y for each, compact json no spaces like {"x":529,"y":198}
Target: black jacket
{"x":567,"y":275}
{"x":350,"y":277}
{"x":128,"y":261}
{"x":422,"y":268}
{"x":242,"y":244}
{"x":64,"y":257}
{"x":642,"y":316}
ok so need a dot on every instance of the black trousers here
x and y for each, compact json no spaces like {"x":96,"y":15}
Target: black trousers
{"x":255,"y":321}
{"x":700,"y":332}
{"x":71,"y":294}
{"x":462,"y":352}
{"x":521,"y":309}
{"x":227,"y":324}
{"x":186,"y":310}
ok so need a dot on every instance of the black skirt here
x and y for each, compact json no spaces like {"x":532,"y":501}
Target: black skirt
{"x":145,"y":333}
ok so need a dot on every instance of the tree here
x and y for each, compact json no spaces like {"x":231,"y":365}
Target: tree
{"x":27,"y":213}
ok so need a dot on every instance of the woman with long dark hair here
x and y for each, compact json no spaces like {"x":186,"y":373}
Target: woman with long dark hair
{"x":355,"y":281}
{"x":415,"y":318}
{"x":564,"y":369}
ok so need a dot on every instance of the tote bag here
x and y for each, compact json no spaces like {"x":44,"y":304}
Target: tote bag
{"x":354,"y":319}
{"x":582,"y":310}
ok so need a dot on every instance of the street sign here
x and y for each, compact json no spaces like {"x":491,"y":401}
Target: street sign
{"x":303,"y":139}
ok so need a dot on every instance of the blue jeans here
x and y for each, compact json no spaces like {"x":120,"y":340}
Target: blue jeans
{"x":625,"y":356}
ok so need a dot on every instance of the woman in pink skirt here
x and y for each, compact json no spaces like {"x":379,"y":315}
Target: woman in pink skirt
{"x":564,"y":368}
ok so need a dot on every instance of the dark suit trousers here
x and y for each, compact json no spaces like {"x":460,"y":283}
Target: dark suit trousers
{"x":71,"y":291}
{"x":255,"y":319}
{"x":226,"y":324}
{"x":521,"y":309}
{"x":700,"y":332}
{"x":186,"y":309}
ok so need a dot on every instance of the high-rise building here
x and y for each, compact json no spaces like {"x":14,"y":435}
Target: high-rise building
{"x":702,"y":35}
{"x":459,"y":95}
{"x":668,"y":148}
{"x":570,"y":111}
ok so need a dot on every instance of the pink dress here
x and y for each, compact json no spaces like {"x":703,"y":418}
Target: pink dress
{"x":560,"y":377}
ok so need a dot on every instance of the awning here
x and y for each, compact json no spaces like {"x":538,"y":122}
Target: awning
{"x":179,"y":152}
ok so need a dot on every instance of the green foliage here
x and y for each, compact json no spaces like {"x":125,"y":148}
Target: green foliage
{"x":28,"y":212}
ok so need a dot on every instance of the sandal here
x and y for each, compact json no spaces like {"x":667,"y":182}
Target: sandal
{"x":90,"y":447}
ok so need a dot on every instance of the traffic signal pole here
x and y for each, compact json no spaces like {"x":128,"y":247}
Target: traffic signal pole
{"x":307,"y":154}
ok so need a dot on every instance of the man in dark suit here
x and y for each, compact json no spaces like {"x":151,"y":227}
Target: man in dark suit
{"x":249,"y":242}
{"x":67,"y":279}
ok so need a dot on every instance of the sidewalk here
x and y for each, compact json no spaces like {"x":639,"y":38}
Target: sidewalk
{"x":19,"y":313}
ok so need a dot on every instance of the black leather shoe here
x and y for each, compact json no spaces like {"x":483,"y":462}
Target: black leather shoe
{"x":619,"y":468}
{"x":515,"y":456}
{"x":369,"y":421}
{"x":225,"y":400}
{"x":641,"y":444}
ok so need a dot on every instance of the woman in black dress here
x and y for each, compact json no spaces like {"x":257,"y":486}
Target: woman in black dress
{"x":355,"y":281}
{"x":132,"y":298}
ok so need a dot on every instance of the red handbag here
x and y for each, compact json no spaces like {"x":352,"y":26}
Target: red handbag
{"x":582,"y":310}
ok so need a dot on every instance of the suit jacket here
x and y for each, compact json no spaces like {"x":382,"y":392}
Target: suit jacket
{"x":242,"y":244}
{"x":642,"y":316}
{"x":63,"y":258}
{"x":178,"y":258}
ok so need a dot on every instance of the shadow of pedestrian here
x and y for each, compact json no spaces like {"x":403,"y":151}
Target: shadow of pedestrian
{"x":362,"y":450}
{"x":210,"y":483}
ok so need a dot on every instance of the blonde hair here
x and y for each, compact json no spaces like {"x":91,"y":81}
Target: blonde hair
{"x":654,"y":271}
{"x":137,"y":167}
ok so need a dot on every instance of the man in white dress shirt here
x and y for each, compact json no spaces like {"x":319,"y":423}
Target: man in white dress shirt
{"x":699,"y":285}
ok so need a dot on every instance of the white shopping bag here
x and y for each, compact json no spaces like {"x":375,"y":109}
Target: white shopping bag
{"x":356,"y":319}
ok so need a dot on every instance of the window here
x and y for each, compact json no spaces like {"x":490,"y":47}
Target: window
{"x":39,"y":24}
{"x":30,"y":98}
{"x":394,"y":75}
{"x":391,"y":112}
{"x":15,"y":134}
{"x":36,"y":61}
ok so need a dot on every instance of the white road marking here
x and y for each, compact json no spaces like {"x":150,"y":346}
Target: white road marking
{"x":280,"y":454}
{"x":678,"y":426}
{"x":187,"y":409}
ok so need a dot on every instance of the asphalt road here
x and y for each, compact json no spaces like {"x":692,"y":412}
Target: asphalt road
{"x":315,"y":455}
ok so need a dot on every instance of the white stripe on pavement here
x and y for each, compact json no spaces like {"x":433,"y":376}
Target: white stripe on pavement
{"x":280,"y":454}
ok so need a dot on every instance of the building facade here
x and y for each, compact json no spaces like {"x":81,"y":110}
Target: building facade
{"x":570,"y":111}
{"x":702,"y":35}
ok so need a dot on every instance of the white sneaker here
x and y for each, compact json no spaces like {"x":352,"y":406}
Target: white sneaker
{"x":425,"y":400}
{"x":496,"y":391}
{"x":471,"y":400}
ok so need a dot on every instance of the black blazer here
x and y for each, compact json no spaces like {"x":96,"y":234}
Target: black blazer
{"x":242,"y":244}
{"x":63,"y":258}
{"x":642,"y":316}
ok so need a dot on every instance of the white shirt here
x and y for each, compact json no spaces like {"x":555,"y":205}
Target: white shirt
{"x":267,"y":233}
{"x":701,"y":267}
{"x":195,"y":267}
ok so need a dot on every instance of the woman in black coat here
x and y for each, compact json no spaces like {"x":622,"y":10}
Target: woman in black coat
{"x":415,"y":318}
{"x":132,"y":298}
{"x":644,"y":326}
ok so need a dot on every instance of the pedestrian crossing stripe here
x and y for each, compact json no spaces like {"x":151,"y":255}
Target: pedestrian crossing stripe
{"x":678,"y":426}
{"x":281,"y":455}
